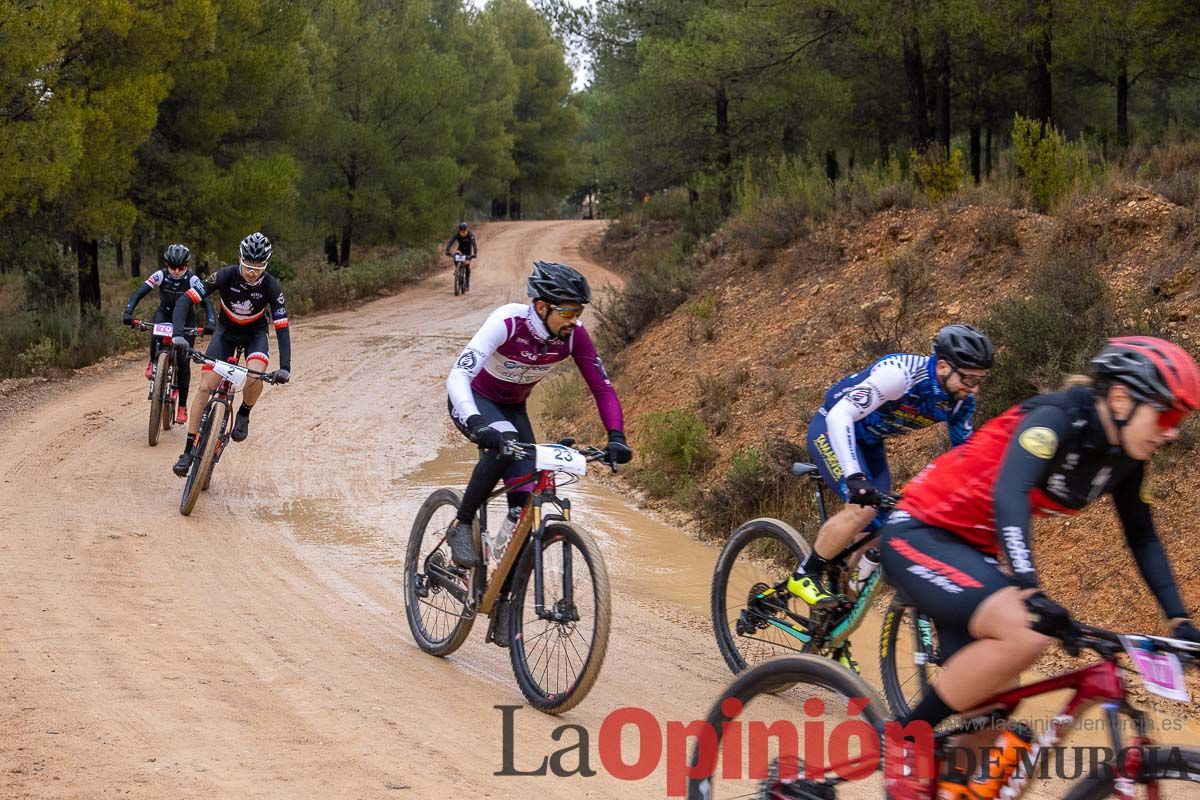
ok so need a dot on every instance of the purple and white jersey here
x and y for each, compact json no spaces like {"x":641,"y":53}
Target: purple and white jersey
{"x":512,"y":352}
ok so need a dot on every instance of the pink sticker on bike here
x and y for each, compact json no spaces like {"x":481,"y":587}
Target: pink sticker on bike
{"x":1161,"y":672}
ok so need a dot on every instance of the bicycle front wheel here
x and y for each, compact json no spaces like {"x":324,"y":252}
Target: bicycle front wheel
{"x":557,"y":650}
{"x":202,"y":464}
{"x":437,"y":597}
{"x":909,"y":660}
{"x":751,"y":622}
{"x":776,"y":724}
{"x":1167,"y":772}
{"x":158,"y":395}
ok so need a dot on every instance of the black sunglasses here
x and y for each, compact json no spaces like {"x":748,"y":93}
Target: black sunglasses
{"x":970,"y":381}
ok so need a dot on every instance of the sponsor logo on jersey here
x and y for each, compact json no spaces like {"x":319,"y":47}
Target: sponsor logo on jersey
{"x":1018,"y":553}
{"x":242,"y":307}
{"x":826,"y":451}
{"x":1146,"y":492}
{"x":603,"y":371}
{"x":468,"y":360}
{"x":1039,"y":441}
{"x":861,"y":397}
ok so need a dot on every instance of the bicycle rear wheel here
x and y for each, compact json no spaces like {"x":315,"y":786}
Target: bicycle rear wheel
{"x":557,"y":661}
{"x":437,"y":599}
{"x":202,"y":464}
{"x":752,"y":623}
{"x":158,"y":396}
{"x":909,"y":659}
{"x":776,"y":725}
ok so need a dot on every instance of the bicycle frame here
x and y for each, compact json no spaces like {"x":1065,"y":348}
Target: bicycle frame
{"x":532,"y":521}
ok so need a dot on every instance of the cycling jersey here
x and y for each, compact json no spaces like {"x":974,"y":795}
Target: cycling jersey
{"x":170,"y":289}
{"x":513,"y":350}
{"x":245,"y":306}
{"x":1048,"y":455}
{"x":466,"y":244}
{"x":898,"y":393}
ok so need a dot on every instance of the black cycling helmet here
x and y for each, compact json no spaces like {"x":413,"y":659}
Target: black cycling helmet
{"x":255,"y":247}
{"x":964,"y":346}
{"x":462,"y":226}
{"x":558,"y":283}
{"x":177,"y":256}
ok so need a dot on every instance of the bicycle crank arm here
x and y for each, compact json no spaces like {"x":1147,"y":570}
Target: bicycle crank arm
{"x":445,"y":579}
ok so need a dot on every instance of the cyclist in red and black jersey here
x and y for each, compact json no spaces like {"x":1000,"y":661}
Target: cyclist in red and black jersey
{"x":250,"y":298}
{"x":1053,"y":454}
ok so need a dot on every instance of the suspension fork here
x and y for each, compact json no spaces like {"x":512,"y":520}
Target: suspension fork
{"x":539,"y":585}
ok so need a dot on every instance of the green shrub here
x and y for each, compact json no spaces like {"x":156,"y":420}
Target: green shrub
{"x":758,"y":483}
{"x":1051,"y":334}
{"x":1050,"y":163}
{"x":657,"y":284}
{"x":938,"y":174}
{"x":776,"y":201}
{"x":674,"y":451}
{"x":49,"y":276}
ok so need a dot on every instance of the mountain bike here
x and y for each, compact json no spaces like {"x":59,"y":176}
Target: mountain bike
{"x":164,"y":388}
{"x":462,"y":274}
{"x":846,"y":700}
{"x":216,"y":425}
{"x":755,"y":617}
{"x":545,"y":590}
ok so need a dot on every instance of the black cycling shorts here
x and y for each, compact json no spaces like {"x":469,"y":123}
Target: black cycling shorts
{"x":508,"y":419}
{"x":941,"y":574}
{"x":226,"y":343}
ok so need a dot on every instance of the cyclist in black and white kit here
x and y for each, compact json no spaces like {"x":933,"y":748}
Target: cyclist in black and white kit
{"x":249,"y":297}
{"x":172,"y":283}
{"x":465,"y":239}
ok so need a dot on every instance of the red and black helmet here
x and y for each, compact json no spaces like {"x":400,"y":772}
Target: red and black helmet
{"x":1152,"y":369}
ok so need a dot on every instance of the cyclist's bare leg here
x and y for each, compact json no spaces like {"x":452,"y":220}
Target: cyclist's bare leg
{"x":253,"y":386}
{"x":840,"y":530}
{"x":208,"y":382}
{"x":1005,"y":646}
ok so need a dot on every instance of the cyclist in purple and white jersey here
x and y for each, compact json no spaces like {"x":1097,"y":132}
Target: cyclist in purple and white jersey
{"x":517,"y":346}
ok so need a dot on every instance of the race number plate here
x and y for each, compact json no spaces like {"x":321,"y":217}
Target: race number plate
{"x":231,"y":372}
{"x":163,"y":329}
{"x":557,"y":458}
{"x":1161,"y":672}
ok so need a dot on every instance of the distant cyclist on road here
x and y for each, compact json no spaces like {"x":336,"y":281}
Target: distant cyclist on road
{"x":846,"y":439}
{"x":249,"y":296}
{"x":517,"y":346}
{"x":172,"y":283}
{"x":465,"y":239}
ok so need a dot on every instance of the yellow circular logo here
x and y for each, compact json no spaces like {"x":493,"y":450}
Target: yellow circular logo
{"x":1042,"y":442}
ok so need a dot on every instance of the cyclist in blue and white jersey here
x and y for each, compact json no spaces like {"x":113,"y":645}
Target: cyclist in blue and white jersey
{"x":846,"y":438}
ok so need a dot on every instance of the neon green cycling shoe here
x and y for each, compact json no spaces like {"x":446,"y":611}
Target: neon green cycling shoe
{"x":810,"y":590}
{"x":843,"y":658}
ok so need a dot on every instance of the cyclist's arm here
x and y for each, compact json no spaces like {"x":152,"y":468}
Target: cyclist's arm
{"x":887,"y":381}
{"x":962,"y":422}
{"x":474,"y":246}
{"x":583,"y":350}
{"x":1145,"y":545}
{"x":470,"y":363}
{"x":1026,"y":461}
{"x":279,"y":318}
{"x":450,"y":244}
{"x":210,"y":318}
{"x":144,"y":288}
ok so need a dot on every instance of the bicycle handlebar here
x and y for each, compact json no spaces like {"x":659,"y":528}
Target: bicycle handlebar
{"x":1079,"y":636}
{"x":142,"y":325}
{"x":201,"y":358}
{"x":524,"y":450}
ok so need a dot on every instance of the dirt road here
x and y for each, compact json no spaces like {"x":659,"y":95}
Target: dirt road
{"x":258,"y":649}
